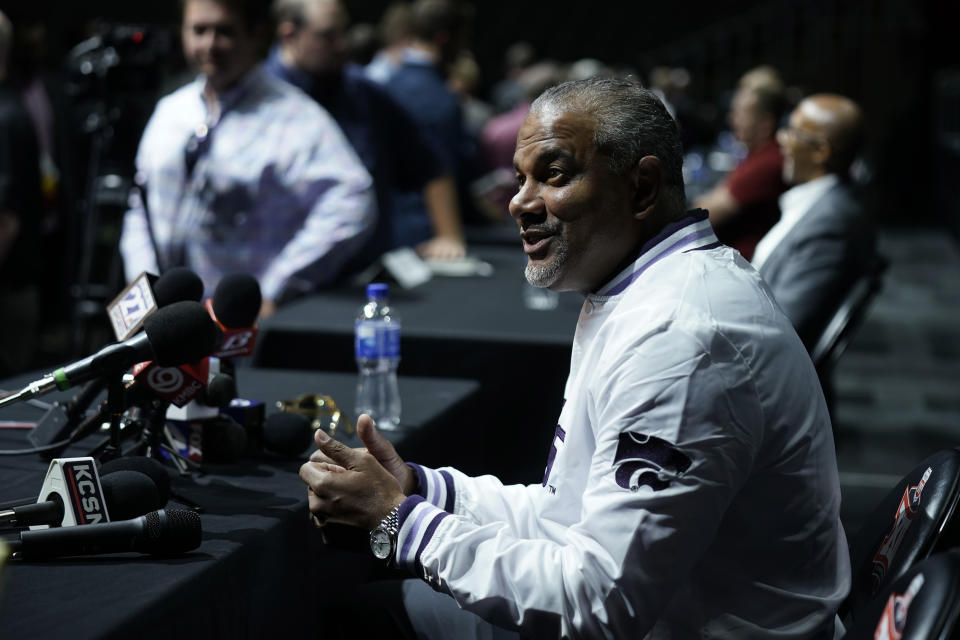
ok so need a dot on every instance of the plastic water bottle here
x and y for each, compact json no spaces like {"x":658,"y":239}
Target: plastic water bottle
{"x":377,"y":346}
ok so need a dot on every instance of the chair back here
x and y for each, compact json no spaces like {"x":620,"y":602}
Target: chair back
{"x":847,"y":318}
{"x":911,"y":522}
{"x":922,"y":604}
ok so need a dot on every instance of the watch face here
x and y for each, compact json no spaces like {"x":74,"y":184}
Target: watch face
{"x":381,"y":544}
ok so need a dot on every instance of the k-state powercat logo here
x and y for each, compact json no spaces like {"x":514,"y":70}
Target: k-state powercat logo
{"x":647,"y":460}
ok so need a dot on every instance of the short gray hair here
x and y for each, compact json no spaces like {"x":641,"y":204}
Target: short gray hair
{"x":289,"y":11}
{"x":630,"y":123}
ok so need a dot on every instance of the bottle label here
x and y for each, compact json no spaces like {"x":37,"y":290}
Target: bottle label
{"x":377,"y":339}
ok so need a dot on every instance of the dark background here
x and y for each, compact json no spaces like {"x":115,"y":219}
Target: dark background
{"x":899,"y":59}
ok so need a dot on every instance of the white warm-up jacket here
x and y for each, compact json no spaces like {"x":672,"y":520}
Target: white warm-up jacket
{"x":691,"y":488}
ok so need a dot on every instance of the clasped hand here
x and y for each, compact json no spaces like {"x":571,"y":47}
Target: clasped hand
{"x":356,"y":487}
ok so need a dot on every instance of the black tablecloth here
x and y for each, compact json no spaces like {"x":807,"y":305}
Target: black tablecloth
{"x":470,"y":327}
{"x":260,"y":569}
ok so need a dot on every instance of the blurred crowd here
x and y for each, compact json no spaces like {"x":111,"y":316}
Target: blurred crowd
{"x":302,"y":146}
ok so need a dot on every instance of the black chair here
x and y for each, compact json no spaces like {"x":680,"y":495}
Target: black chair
{"x":846,"y":319}
{"x":913,"y":521}
{"x":923,"y":604}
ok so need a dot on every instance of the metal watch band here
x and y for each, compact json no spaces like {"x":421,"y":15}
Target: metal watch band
{"x":391,"y":523}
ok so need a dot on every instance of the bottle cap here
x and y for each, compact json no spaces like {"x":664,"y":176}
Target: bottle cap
{"x":377,"y":290}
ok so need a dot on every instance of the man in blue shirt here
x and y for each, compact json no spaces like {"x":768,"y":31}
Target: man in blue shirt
{"x":415,"y":190}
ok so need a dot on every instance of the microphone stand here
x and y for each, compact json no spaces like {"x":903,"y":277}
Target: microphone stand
{"x":152,"y":441}
{"x":116,"y":405}
{"x":154,"y":438}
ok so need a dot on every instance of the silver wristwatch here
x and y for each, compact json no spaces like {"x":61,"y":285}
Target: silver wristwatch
{"x":383,"y":539}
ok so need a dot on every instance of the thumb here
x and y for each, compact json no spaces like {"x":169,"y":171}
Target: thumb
{"x":380,"y":448}
{"x":334,"y":449}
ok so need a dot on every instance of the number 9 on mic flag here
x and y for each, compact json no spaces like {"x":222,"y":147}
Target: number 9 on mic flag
{"x":176,"y":385}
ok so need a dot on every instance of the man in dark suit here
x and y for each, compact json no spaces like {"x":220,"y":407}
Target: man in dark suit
{"x":823,"y":242}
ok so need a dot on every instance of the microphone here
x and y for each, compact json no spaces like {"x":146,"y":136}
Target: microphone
{"x":178,"y":284}
{"x":127,"y":494}
{"x":127,"y":313}
{"x":128,"y":310}
{"x":220,"y":391}
{"x":59,"y":419}
{"x":73,"y":485}
{"x":287,"y":433}
{"x":181,"y":332}
{"x":221,"y":440}
{"x":163,"y":532}
{"x":130,"y":494}
{"x":235,"y":306}
{"x":249,"y":414}
{"x":146,"y":294}
{"x":150,"y":467}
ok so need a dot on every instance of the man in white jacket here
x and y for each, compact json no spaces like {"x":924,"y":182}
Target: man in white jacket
{"x":691,"y":487}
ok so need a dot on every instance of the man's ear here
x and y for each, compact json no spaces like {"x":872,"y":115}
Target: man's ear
{"x":821,"y":154}
{"x":647,"y":178}
{"x":285,"y":30}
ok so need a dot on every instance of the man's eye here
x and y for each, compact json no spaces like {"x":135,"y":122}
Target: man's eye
{"x":554,"y":173}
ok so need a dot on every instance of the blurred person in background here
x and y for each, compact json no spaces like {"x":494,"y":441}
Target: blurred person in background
{"x":508,"y":92}
{"x":499,"y":137}
{"x":744,"y":206}
{"x":463,"y":77}
{"x":311,"y":54}
{"x":394,"y":35}
{"x":824,"y":241}
{"x":21,"y":211}
{"x":363,"y":42}
{"x":243,"y":172}
{"x":492,"y":192}
{"x":438,"y":31}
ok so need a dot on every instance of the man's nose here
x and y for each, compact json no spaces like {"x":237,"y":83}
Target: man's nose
{"x":527,"y":200}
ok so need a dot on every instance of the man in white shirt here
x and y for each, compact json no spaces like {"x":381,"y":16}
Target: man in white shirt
{"x":823,"y":241}
{"x":243,"y":172}
{"x":691,"y":487}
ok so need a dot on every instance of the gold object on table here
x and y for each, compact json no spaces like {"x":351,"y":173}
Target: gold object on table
{"x":321,"y":410}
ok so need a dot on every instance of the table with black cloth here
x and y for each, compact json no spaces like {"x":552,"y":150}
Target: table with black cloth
{"x":260,"y":570}
{"x":462,"y":327}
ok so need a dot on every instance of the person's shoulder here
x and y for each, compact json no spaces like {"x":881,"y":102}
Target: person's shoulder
{"x":765,"y":160}
{"x":188,"y":91}
{"x":358,"y":86}
{"x":271,"y":88}
{"x":176,"y":109}
{"x":286,"y":102}
{"x":841,"y":206}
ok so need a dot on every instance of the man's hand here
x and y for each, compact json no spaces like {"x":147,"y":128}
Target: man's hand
{"x":357,"y":487}
{"x":442,"y":248}
{"x":381,"y":449}
{"x":267,"y":308}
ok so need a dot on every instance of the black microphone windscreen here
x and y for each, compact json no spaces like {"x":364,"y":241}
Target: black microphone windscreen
{"x":129,"y":494}
{"x":237,"y":300}
{"x":221,"y":389}
{"x":287,"y":433}
{"x":177,"y":284}
{"x":153,"y":468}
{"x":223,"y":440}
{"x":181,"y":333}
{"x":169,"y":532}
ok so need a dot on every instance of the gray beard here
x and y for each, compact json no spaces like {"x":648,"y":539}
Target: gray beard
{"x":547,"y":274}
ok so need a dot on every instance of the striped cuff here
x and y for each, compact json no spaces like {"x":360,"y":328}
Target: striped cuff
{"x":436,"y":486}
{"x":418,"y":522}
